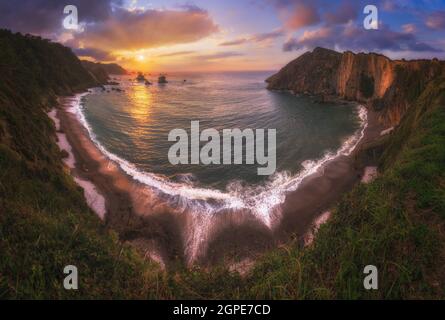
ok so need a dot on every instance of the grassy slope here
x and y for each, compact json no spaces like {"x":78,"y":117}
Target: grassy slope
{"x":45,"y":223}
{"x":396,"y":222}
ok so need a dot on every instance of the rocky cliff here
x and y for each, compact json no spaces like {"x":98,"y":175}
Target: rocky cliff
{"x":114,"y":68}
{"x":386,"y":85}
{"x":102,"y":71}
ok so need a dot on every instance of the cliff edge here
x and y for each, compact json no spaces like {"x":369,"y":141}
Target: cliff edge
{"x":388,"y":86}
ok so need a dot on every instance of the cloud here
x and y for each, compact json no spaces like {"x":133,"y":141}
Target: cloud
{"x":258,"y":38}
{"x":390,"y":5}
{"x":341,"y":26}
{"x":96,"y":54}
{"x":107,"y":26}
{"x":302,"y":15}
{"x":217,"y":56}
{"x":130,"y":30}
{"x":174,"y":54}
{"x":190,"y":7}
{"x":267,"y":36}
{"x":297,"y":14}
{"x":409,"y":28}
{"x":235,"y":42}
{"x":309,"y":39}
{"x":345,"y":12}
{"x":44,"y":17}
{"x":351,"y":37}
{"x":436,"y":20}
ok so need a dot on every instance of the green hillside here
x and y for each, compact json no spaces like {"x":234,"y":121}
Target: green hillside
{"x":45,"y":223}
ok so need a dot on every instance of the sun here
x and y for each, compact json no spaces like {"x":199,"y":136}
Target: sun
{"x":140,"y":57}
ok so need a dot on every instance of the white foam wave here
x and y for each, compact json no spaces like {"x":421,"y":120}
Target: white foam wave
{"x":262,"y":200}
{"x":259,"y":199}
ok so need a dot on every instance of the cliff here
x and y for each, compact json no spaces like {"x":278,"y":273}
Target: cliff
{"x":389,"y":86}
{"x":102,"y":71}
{"x":113,"y":69}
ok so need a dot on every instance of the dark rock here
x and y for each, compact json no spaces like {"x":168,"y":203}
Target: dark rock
{"x":386,"y":85}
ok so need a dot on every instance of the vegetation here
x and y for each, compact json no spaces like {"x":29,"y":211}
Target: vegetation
{"x":108,"y":68}
{"x":395,"y":222}
{"x":45,"y":223}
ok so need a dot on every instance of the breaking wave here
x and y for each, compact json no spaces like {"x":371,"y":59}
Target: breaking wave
{"x":260,"y":200}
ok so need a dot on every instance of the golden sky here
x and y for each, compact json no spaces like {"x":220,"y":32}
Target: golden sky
{"x":214,"y":35}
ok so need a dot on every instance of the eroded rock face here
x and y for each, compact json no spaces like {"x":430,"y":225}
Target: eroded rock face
{"x":313,"y":72}
{"x":385,"y":85}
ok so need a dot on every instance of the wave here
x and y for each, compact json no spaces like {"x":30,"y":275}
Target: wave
{"x":260,"y":200}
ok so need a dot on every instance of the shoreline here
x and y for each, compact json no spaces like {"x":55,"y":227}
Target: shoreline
{"x":163,"y":233}
{"x":337,"y":177}
{"x":116,"y":188}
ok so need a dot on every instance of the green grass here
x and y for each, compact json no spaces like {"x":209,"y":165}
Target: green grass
{"x":44,"y":226}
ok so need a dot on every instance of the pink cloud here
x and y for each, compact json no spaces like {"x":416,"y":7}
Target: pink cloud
{"x":302,"y":15}
{"x":351,"y":37}
{"x":256,"y":38}
{"x":129,"y":30}
{"x":345,"y":12}
{"x":409,"y":28}
{"x":436,"y":20}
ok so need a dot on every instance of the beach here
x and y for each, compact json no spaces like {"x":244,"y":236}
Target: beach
{"x":171,"y":235}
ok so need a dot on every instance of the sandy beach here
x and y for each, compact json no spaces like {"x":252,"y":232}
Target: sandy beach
{"x":170,"y":236}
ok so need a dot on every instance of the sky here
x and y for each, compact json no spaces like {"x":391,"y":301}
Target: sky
{"x":229,"y":35}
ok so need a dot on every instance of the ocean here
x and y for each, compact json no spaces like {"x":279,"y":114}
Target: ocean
{"x":132,"y":126}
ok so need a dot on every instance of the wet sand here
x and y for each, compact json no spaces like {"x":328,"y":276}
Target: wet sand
{"x":172,"y":235}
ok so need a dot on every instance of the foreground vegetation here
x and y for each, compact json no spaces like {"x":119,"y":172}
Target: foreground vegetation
{"x":395,"y":222}
{"x":45,"y":223}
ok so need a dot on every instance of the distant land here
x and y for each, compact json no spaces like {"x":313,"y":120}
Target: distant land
{"x":109,"y":68}
{"x":102,"y":71}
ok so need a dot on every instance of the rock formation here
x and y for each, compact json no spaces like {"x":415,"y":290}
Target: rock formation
{"x":386,"y":85}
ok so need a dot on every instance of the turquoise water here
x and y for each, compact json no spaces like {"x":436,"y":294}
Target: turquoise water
{"x":134,"y":124}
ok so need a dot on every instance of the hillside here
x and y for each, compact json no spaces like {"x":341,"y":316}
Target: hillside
{"x":386,"y":85}
{"x":45,"y":223}
{"x":114,"y":69}
{"x":102,"y":71}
